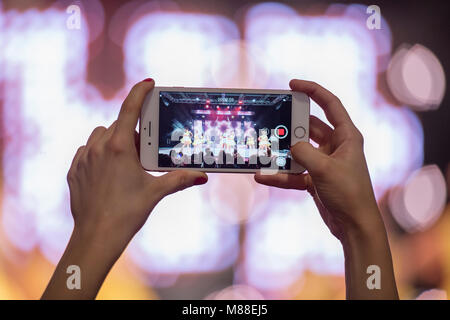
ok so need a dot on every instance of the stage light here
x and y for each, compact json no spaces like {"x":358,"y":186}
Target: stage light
{"x":419,"y":202}
{"x":35,"y":211}
{"x":181,"y":237}
{"x":152,"y":46}
{"x":240,"y":200}
{"x":240,"y":102}
{"x":207,"y":101}
{"x":207,"y":106}
{"x":416,"y":78}
{"x":304,"y":244}
{"x":236,"y":57}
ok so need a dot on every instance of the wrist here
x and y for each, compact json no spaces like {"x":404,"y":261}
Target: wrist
{"x":367,"y":229}
{"x":98,"y":241}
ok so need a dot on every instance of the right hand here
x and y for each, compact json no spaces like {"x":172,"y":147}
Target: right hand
{"x":337,"y":178}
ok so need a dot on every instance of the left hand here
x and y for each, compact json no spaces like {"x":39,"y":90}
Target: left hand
{"x":111,"y":195}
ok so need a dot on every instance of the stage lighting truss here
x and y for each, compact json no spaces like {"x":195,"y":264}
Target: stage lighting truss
{"x":224,"y":99}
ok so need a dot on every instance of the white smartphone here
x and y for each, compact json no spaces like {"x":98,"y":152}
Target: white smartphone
{"x":222,"y":130}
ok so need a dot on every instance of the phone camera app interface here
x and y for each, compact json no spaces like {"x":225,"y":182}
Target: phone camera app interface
{"x":224,"y":130}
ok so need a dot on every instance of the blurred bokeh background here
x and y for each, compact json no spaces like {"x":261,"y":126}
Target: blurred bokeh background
{"x":60,"y":77}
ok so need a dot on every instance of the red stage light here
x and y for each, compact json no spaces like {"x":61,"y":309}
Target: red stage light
{"x":240,"y":102}
{"x":208,"y":101}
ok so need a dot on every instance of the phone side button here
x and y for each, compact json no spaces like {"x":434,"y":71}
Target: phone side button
{"x":149,"y":128}
{"x":299,"y":132}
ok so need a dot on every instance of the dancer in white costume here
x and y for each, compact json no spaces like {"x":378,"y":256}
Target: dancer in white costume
{"x":186,"y":141}
{"x":223,"y":141}
{"x":198,"y":142}
{"x":230,"y":143}
{"x":207,"y":141}
{"x":264,"y":143}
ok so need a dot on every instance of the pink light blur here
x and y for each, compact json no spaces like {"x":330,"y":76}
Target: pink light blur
{"x":416,"y":77}
{"x":419,"y":202}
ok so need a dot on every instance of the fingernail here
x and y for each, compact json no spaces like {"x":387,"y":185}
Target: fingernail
{"x":200,"y":180}
{"x":148,"y":80}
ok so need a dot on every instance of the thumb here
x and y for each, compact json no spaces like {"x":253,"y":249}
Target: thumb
{"x":308,"y":156}
{"x":179,"y":180}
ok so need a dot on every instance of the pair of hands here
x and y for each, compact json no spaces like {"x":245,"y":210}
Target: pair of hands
{"x":112,"y":196}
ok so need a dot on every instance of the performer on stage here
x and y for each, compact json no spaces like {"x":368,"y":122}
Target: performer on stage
{"x":231,"y":144}
{"x":207,"y":140}
{"x":250,"y":142}
{"x":186,"y":141}
{"x":198,"y":142}
{"x":223,"y":141}
{"x":264,"y":143}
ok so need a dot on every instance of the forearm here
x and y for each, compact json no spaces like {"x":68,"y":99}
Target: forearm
{"x":94,"y":262}
{"x":366,"y":247}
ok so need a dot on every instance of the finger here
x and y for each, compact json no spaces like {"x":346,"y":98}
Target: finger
{"x":179,"y":180}
{"x":77,"y":157}
{"x":309,"y":157}
{"x":284,"y":180}
{"x":109,"y":132}
{"x":95,"y":136}
{"x":331,"y":105}
{"x":131,"y":108}
{"x":319,"y":131}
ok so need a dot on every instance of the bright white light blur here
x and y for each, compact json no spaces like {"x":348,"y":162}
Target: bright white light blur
{"x":182,"y":236}
{"x":416,"y":78}
{"x":44,"y":125}
{"x":419,"y":202}
{"x":47,"y":117}
{"x":235,"y":198}
{"x":289,"y":239}
{"x":175,"y":48}
{"x":238,"y":66}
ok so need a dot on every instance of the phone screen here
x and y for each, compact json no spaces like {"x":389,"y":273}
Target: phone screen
{"x":224,"y":130}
